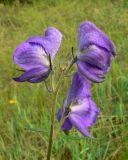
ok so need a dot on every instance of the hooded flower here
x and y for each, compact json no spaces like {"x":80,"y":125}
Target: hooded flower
{"x":78,"y":109}
{"x":95,"y":52}
{"x":35,"y":56}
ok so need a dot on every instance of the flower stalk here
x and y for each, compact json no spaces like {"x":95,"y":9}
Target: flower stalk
{"x":51,"y":127}
{"x":54,"y":97}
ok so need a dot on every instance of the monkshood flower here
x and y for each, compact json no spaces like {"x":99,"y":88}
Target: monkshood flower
{"x":35,"y":56}
{"x":78,"y":110}
{"x":95,"y":52}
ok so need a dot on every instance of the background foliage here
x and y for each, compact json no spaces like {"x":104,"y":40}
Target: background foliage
{"x":25,"y":108}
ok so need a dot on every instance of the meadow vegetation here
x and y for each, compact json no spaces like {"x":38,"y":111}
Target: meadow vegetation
{"x":25,"y":108}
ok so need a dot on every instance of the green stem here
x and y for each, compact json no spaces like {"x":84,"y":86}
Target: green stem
{"x":70,"y":65}
{"x":51,"y":128}
{"x":54,"y":96}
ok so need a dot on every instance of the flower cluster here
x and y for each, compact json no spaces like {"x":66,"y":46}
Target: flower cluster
{"x":95,"y":50}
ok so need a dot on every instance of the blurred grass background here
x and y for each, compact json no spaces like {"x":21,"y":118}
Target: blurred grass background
{"x":25,"y":108}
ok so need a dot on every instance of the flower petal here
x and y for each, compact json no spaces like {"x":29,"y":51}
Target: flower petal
{"x":93,"y":114}
{"x":50,"y":42}
{"x":33,"y":74}
{"x":39,"y":78}
{"x":84,"y":116}
{"x":81,"y":116}
{"x":90,"y":34}
{"x":67,"y":124}
{"x":90,"y":72}
{"x":88,"y":111}
{"x":77,"y":122}
{"x":30,"y":56}
{"x":96,"y":57}
{"x":59,"y":114}
{"x":80,"y":89}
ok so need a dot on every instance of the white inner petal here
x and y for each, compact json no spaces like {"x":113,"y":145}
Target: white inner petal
{"x":86,"y":50}
{"x":92,"y":47}
{"x":43,"y":57}
{"x":78,"y":106}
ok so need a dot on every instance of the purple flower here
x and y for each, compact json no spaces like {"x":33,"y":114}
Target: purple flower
{"x":95,"y":52}
{"x":35,"y":56}
{"x":78,"y":109}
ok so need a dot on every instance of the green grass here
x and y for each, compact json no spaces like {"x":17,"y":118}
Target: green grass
{"x":24,"y":125}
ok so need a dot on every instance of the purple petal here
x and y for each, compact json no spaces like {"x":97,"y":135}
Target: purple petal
{"x":30,"y":56}
{"x":50,"y":42}
{"x":88,"y":111}
{"x":77,"y":122}
{"x":90,"y":34}
{"x":81,"y":108}
{"x":93,"y":114}
{"x":81,"y":116}
{"x":59,"y":114}
{"x":84,"y":116}
{"x":80,"y":89}
{"x":96,"y":57}
{"x":33,"y":74}
{"x":90,"y":72}
{"x":67,"y":125}
{"x":39,"y":79}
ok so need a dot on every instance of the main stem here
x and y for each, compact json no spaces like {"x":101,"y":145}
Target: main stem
{"x":51,"y":127}
{"x":54,"y":96}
